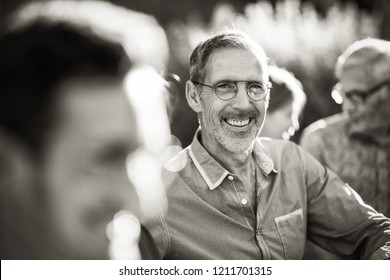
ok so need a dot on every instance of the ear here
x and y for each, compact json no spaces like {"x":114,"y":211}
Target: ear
{"x":193,"y":98}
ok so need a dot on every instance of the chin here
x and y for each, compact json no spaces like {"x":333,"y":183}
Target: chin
{"x":237,"y":145}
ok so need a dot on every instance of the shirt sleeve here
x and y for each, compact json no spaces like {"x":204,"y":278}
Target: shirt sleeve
{"x":159,"y":232}
{"x":338,"y":218}
{"x":147,"y":246}
{"x":382,"y":253}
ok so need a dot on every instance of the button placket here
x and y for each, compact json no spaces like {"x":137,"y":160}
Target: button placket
{"x":243,"y":201}
{"x":242,"y":194}
{"x":261,"y":209}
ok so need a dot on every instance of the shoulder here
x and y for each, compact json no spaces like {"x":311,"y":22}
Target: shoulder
{"x":176,"y":168}
{"x":272,"y":145}
{"x":280,"y":151}
{"x":176,"y":159}
{"x":291,"y":161}
{"x":332,"y":124}
{"x":325,"y":134}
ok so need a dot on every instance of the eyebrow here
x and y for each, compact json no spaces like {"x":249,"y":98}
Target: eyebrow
{"x":235,"y":81}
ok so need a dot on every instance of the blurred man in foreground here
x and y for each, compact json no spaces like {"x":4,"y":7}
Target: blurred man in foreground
{"x":356,"y":144}
{"x":237,"y":197}
{"x":68,"y":137}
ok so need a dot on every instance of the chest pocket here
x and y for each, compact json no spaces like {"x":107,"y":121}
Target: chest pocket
{"x":291,"y":230}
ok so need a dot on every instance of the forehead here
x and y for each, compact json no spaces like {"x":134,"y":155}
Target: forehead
{"x":96,"y":109}
{"x":235,"y":64}
{"x":361,"y":70}
{"x":356,"y":78}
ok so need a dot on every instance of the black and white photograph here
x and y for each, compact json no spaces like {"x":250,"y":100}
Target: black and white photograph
{"x":191,"y":130}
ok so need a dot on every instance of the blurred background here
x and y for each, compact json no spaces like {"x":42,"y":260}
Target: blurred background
{"x":303,"y":36}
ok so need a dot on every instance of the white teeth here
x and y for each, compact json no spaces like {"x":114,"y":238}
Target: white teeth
{"x":237,"y":122}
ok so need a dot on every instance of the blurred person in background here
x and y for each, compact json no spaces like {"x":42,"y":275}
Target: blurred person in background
{"x":68,"y":137}
{"x":286,"y":103}
{"x":356,"y":143}
{"x":237,"y":196}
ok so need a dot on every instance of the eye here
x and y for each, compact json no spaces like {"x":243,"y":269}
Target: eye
{"x":226,"y":87}
{"x":354,"y":95}
{"x":257,"y":87}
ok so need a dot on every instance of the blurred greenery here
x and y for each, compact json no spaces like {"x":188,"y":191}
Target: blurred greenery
{"x":294,"y":36}
{"x":304,"y":36}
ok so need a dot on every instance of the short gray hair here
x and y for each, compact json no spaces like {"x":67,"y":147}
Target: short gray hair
{"x":224,"y":40}
{"x":371,"y":55}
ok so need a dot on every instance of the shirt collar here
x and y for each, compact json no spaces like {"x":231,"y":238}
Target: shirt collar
{"x":212,"y":172}
{"x":263,"y":160}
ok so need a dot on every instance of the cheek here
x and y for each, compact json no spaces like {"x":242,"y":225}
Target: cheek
{"x":69,"y":196}
{"x":379,"y":100}
{"x":211,"y":109}
{"x":261,"y":109}
{"x":377,"y":109}
{"x":62,"y":177}
{"x":71,"y":193}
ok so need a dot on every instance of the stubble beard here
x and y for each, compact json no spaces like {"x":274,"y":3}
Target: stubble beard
{"x":240,"y":142}
{"x":371,"y":122}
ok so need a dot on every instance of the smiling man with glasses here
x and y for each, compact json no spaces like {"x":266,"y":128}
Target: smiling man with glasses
{"x":235,"y":196}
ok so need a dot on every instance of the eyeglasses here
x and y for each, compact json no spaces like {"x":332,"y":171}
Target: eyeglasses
{"x":358,"y":95}
{"x":227,"y":90}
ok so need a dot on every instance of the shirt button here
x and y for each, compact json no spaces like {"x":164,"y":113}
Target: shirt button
{"x":230,"y":177}
{"x":244,"y":201}
{"x":258,"y":231}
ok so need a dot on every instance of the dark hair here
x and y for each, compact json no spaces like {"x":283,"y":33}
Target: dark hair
{"x":222,"y":40}
{"x":285,"y":88}
{"x":280,"y":95}
{"x":35,"y":59}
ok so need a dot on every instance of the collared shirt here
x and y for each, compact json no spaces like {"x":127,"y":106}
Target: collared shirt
{"x":210,"y":217}
{"x":362,"y":162}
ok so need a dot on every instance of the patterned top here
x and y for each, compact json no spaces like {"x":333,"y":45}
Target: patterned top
{"x":361,"y":162}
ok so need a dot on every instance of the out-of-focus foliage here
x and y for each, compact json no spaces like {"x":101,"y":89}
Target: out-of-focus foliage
{"x":293,"y":35}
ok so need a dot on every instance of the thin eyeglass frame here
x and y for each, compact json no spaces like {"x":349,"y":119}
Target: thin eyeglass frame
{"x":248,"y":84}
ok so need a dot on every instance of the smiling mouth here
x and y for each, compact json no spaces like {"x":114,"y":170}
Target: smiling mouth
{"x":238,"y":123}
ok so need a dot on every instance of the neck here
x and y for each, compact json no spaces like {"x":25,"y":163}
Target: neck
{"x":236,"y":163}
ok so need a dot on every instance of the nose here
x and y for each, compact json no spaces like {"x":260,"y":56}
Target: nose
{"x":241,"y":100}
